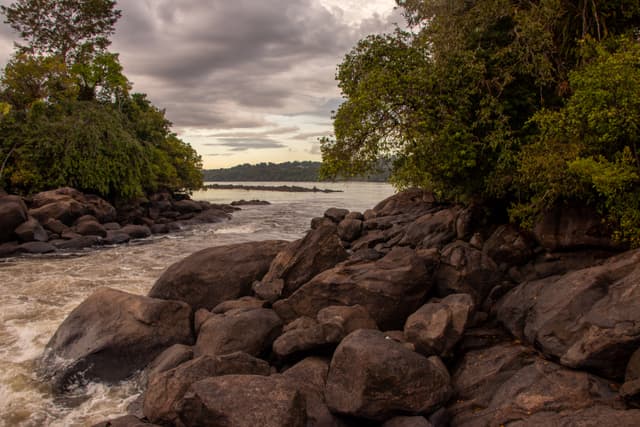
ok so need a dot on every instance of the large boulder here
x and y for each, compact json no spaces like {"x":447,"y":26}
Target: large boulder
{"x":412,"y":201}
{"x":214,"y":275}
{"x":510,"y":385}
{"x":374,"y":377}
{"x":251,"y":331}
{"x":318,"y":251}
{"x":112,"y":334}
{"x":434,"y":229}
{"x":438,"y":325}
{"x":243,"y":401}
{"x":165,"y":390}
{"x":31,"y":231}
{"x":587,"y":319}
{"x":13,"y":212}
{"x":509,"y":245}
{"x":389,"y":289}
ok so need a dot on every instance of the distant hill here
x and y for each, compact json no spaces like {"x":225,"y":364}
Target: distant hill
{"x":288,"y":171}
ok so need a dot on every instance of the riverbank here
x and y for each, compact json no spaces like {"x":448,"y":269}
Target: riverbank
{"x":281,"y":188}
{"x":68,"y":220}
{"x":434,"y":299}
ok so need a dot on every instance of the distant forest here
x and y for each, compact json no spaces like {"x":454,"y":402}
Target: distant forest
{"x":288,"y":171}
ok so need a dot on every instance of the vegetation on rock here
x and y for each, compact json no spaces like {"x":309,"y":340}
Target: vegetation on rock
{"x":526,"y":103}
{"x":68,"y":117}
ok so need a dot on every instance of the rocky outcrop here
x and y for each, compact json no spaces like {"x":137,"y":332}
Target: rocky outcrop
{"x":13,"y":212}
{"x":373,"y":377}
{"x":113,"y":334}
{"x":215,"y":275}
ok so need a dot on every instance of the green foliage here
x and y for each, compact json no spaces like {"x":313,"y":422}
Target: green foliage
{"x":71,"y":120}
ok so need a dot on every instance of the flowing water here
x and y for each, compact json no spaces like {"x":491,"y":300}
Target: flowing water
{"x":37,"y":293}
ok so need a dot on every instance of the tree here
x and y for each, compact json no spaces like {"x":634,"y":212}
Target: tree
{"x":71,"y":29}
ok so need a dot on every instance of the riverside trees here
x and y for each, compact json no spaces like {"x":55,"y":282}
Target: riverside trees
{"x":71,"y":119}
{"x":528,"y":103}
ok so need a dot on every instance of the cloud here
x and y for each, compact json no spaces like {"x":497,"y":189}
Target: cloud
{"x":243,"y":144}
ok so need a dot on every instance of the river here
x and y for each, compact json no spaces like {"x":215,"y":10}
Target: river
{"x":37,"y":293}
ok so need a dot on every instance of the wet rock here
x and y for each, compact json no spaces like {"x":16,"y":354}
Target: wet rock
{"x":31,"y":231}
{"x":253,"y":202}
{"x":509,"y":245}
{"x":465,"y":269}
{"x":214,"y":275}
{"x":349,"y":229}
{"x":438,"y":326}
{"x":433,"y":229}
{"x":136,"y":231}
{"x":335,"y":214}
{"x":166,"y":390}
{"x":509,"y":385}
{"x":295,"y":265}
{"x":587,"y":319}
{"x":116,"y":238}
{"x":187,"y":206}
{"x":37,"y":248}
{"x":373,"y":377}
{"x":13,"y":212}
{"x":10,"y":248}
{"x":112,"y":334}
{"x":309,"y":377}
{"x":389,"y":289}
{"x":159,"y":229}
{"x":251,"y":331}
{"x":243,"y":401}
{"x":79,"y":242}
{"x":211,"y":215}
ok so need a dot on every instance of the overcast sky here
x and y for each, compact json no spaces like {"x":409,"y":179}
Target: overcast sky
{"x":243,"y":81}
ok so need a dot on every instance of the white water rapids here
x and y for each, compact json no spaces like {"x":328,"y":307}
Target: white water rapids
{"x":37,"y":293}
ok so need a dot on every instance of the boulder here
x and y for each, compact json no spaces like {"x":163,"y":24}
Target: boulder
{"x":309,"y":377}
{"x":295,"y":265}
{"x":302,"y":334}
{"x":509,"y":245}
{"x":251,"y":331}
{"x":102,"y":210}
{"x":373,"y":377}
{"x":77,"y":243}
{"x":336,"y":214}
{"x":349,"y":229}
{"x":586,"y":319}
{"x":13,"y":212}
{"x":510,"y":385}
{"x":113,"y":334}
{"x":187,"y":206}
{"x":89,"y":226}
{"x":244,"y":303}
{"x":9,"y":249}
{"x":465,"y":269}
{"x":390,"y":289}
{"x":438,"y":325}
{"x":572,"y":227}
{"x":214,"y":275}
{"x":136,"y":231}
{"x":412,"y":201}
{"x":172,"y":357}
{"x":31,"y":231}
{"x":243,"y":401}
{"x":55,"y":226}
{"x":434,"y":229}
{"x":37,"y":248}
{"x":165,"y":390}
{"x":116,"y":237}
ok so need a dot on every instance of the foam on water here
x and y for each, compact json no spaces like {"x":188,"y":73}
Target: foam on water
{"x":37,"y":293}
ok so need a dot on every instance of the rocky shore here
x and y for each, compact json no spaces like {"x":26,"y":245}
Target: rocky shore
{"x":411,"y":314}
{"x":66,"y":219}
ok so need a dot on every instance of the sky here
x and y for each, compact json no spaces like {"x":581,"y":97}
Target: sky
{"x":242,"y":81}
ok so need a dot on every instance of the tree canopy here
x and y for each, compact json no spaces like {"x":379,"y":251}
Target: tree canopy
{"x":524,"y":103}
{"x":68,"y":117}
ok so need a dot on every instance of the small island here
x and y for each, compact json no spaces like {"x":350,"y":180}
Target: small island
{"x":283,"y":188}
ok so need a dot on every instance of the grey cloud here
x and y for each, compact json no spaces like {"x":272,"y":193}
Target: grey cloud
{"x":257,"y":134}
{"x":243,"y":144}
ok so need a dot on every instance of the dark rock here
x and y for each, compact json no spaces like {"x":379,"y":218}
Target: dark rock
{"x":509,"y":385}
{"x":90,"y":227}
{"x":37,"y":248}
{"x":112,"y":226}
{"x":172,"y":357}
{"x":201,"y":316}
{"x":250,"y":203}
{"x":78,"y":243}
{"x":349,"y":229}
{"x":116,"y":238}
{"x":587,"y":319}
{"x":244,"y":303}
{"x":355,"y":215}
{"x":70,"y":235}
{"x":187,"y":206}
{"x":295,"y":265}
{"x":211,"y":215}
{"x":633,"y":367}
{"x":389,"y":289}
{"x":373,"y":377}
{"x":166,"y":390}
{"x":572,"y":227}
{"x":214,"y":275}
{"x":112,"y":334}
{"x":243,"y":401}
{"x":301,"y":335}
{"x":126,"y":421}
{"x":13,"y":212}
{"x":482,"y":337}
{"x":407,"y":422}
{"x":251,"y":331}
{"x":509,"y":245}
{"x":309,"y":377}
{"x":10,"y":248}
{"x":159,"y":229}
{"x":434,"y":229}
{"x":31,"y":231}
{"x":335,"y":214}
{"x":55,"y":226}
{"x":136,"y":231}
{"x":465,"y":269}
{"x":412,"y":201}
{"x":438,"y":326}
{"x":319,"y":221}
{"x":346,"y":319}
